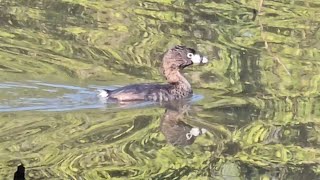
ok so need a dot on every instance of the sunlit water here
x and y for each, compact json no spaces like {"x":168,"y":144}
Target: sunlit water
{"x":50,"y":97}
{"x":255,"y":113}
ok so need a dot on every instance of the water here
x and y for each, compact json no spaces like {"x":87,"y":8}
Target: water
{"x":255,"y":112}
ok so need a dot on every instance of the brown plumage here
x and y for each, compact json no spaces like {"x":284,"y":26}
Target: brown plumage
{"x":174,"y":60}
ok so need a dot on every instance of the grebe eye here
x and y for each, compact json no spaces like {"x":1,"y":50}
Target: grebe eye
{"x":190,"y":55}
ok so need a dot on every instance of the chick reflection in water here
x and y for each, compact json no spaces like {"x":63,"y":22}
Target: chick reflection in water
{"x":176,"y":131}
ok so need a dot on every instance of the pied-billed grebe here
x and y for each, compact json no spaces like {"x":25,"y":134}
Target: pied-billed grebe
{"x":174,"y":60}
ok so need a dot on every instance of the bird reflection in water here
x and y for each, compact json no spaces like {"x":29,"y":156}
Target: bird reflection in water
{"x":176,"y":131}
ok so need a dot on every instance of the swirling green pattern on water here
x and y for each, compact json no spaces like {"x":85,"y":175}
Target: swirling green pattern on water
{"x":256,"y":105}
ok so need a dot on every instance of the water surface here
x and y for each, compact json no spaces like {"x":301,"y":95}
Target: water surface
{"x":257,"y":100}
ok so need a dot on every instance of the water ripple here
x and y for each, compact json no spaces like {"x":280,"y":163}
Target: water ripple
{"x":17,"y":96}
